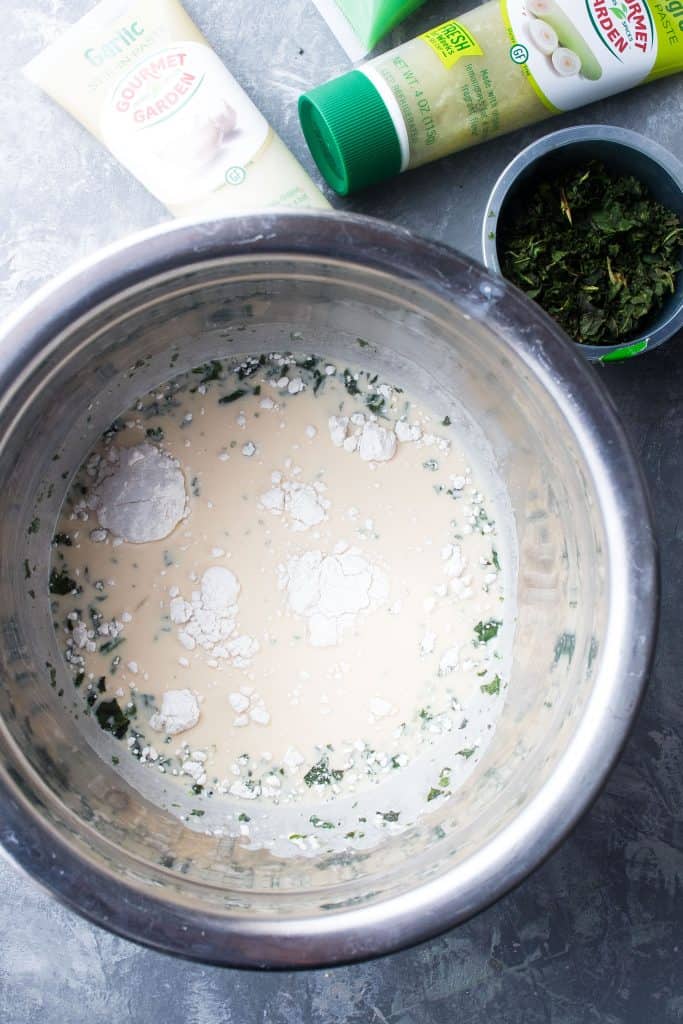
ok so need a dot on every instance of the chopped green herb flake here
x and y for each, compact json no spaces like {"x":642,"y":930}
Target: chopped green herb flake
{"x":487,"y":630}
{"x":234,"y":396}
{"x":34,"y":526}
{"x":565,"y":646}
{"x":375,"y":403}
{"x":112,"y":719}
{"x":493,"y":688}
{"x":210,"y":371}
{"x":111,"y":645}
{"x":322,"y":775}
{"x":350,"y":383}
{"x":319,"y":823}
{"x":61,"y":583}
{"x":466,"y":752}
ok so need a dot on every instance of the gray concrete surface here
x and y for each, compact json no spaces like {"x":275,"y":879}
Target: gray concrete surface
{"x":595,"y":935}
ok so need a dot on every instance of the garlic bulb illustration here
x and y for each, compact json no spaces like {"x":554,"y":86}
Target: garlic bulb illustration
{"x":202,"y":138}
{"x":566,"y":62}
{"x":543,"y":36}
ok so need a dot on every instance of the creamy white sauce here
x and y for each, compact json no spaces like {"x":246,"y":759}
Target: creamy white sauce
{"x":284,"y":591}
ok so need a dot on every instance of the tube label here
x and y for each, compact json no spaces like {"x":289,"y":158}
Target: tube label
{"x":576,"y":53}
{"x":182,"y":124}
{"x":451,"y":42}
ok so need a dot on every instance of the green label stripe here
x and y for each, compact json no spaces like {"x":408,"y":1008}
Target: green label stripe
{"x":626,"y":352}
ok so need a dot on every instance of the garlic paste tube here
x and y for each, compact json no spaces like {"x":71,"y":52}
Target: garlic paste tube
{"x":141,"y":77}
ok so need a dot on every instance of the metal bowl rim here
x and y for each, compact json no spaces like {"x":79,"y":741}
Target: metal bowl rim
{"x":420,"y":913}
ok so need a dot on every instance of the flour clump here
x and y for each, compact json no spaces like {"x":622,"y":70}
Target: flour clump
{"x":144,"y":498}
{"x":330,"y":590}
{"x":179,"y":712}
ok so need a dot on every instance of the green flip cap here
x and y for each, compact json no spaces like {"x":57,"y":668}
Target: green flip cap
{"x":350,"y":133}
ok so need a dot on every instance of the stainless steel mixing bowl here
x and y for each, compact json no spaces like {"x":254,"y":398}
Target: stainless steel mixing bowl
{"x":83,"y":349}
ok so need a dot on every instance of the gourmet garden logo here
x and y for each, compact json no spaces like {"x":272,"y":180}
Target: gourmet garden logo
{"x":623,"y":26}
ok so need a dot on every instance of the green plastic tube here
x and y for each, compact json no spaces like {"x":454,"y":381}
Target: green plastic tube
{"x":370,"y":20}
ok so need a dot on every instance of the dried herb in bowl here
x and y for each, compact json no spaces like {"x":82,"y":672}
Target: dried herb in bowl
{"x":595,"y":250}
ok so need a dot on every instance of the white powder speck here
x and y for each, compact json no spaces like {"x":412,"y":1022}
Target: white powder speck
{"x":259,"y":715}
{"x":179,"y":712}
{"x":180,"y":610}
{"x":427,"y":643}
{"x":219,"y":589}
{"x":303,"y":503}
{"x":453,"y":561}
{"x":241,"y":789}
{"x":377,"y":444}
{"x":238,"y":702}
{"x":381,"y":708}
{"x":448,"y":661}
{"x":293,"y":759}
{"x":249,"y":449}
{"x":338,"y":427}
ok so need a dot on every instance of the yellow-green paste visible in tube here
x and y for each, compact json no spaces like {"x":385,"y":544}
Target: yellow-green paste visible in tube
{"x":501,"y":66}
{"x":456,"y":86}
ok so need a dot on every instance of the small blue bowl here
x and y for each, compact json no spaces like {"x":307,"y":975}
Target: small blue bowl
{"x":622,"y":151}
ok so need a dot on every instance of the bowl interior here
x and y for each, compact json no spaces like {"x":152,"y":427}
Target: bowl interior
{"x":621,"y":159}
{"x":569,"y":591}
